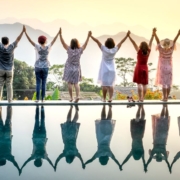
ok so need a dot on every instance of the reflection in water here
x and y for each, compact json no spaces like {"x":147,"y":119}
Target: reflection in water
{"x":70,"y":131}
{"x":104,"y":131}
{"x":160,"y":125}
{"x":6,"y":139}
{"x":177,"y":156}
{"x":137,"y":134}
{"x":39,"y":141}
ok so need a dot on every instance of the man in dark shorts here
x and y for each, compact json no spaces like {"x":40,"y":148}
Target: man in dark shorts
{"x":7,"y":64}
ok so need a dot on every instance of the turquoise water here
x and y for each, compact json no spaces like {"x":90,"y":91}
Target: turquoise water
{"x":92,"y":133}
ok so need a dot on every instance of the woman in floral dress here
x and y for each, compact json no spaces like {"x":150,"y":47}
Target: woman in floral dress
{"x":164,"y":69}
{"x":72,"y":71}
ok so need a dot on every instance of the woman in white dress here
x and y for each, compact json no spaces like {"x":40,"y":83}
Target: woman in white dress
{"x":107,"y":71}
{"x":104,"y":131}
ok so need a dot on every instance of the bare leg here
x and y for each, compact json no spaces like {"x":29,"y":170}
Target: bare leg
{"x":69,"y":114}
{"x":144,"y":91}
{"x":104,"y":91}
{"x":163,"y":111}
{"x":168,"y":91}
{"x":109,"y":116}
{"x":77,"y":89}
{"x":70,"y":91}
{"x":138,"y":113}
{"x":103,"y":113}
{"x":140,"y":91}
{"x":142,"y":112}
{"x":111,"y":91}
{"x":76,"y":116}
{"x":164,"y":93}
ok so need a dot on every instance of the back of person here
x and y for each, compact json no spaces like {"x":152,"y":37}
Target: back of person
{"x":108,"y":54}
{"x":142,"y":58}
{"x":7,"y":56}
{"x":74,"y":55}
{"x":42,"y":56}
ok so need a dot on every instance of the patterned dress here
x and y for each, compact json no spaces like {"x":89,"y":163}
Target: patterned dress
{"x":72,"y":71}
{"x":164,"y":69}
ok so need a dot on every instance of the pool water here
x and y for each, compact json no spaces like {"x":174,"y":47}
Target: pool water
{"x":90,"y":142}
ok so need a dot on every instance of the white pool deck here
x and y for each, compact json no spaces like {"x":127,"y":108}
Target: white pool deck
{"x":84,"y":103}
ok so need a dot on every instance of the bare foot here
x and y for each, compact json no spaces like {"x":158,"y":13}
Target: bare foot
{"x":76,"y":100}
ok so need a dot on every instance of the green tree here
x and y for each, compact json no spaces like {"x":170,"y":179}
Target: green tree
{"x":125,"y":67}
{"x":87,"y":85}
{"x":56,"y":74}
{"x":24,"y":77}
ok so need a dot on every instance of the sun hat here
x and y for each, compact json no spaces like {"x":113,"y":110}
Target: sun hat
{"x":42,"y":39}
{"x":167,"y":41}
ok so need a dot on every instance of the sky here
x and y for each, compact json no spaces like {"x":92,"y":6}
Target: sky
{"x":154,"y":13}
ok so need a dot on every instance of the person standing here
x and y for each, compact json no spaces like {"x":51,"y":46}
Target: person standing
{"x":42,"y":64}
{"x":141,"y":69}
{"x":7,"y":65}
{"x":107,"y":71}
{"x":6,"y":140}
{"x":39,"y":139}
{"x":72,"y":71}
{"x":164,"y":69}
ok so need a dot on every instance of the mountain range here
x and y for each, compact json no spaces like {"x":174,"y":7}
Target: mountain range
{"x":91,"y":57}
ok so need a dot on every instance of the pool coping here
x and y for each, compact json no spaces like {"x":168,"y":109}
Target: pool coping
{"x":83,"y":103}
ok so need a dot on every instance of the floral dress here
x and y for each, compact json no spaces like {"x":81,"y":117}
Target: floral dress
{"x":72,"y":70}
{"x":164,"y":69}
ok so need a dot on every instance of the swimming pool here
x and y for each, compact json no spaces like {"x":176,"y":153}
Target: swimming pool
{"x":94,"y":133}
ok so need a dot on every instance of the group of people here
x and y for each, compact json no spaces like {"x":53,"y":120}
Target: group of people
{"x":107,"y":71}
{"x":104,"y":129}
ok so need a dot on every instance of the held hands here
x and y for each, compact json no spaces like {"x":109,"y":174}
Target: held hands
{"x":24,"y":28}
{"x":154,"y":31}
{"x":128,"y":33}
{"x":89,"y":34}
{"x":60,"y":31}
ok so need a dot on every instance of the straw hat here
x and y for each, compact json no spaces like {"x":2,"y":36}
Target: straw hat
{"x":166,"y":43}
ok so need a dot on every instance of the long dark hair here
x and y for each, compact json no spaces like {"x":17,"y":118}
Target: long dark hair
{"x":144,"y":48}
{"x":74,"y":44}
{"x":109,"y":43}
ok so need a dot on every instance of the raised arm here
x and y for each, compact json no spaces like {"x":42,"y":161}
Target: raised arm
{"x":80,"y":158}
{"x":62,"y":40}
{"x":144,"y":164}
{"x":50,"y":162}
{"x":53,"y":41}
{"x":57,"y":160}
{"x":152,"y":37}
{"x":116,"y":161}
{"x":86,"y":42}
{"x":175,"y":159}
{"x":122,"y":41}
{"x":127,"y":158}
{"x":20,"y":36}
{"x":175,"y":39}
{"x":28,"y":160}
{"x":11,"y":159}
{"x":29,"y":39}
{"x":150,"y":159}
{"x":97,"y":41}
{"x":134,"y":44}
{"x":91,"y":160}
{"x":156,"y":37}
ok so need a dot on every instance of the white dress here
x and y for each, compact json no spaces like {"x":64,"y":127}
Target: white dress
{"x":104,"y":132}
{"x":107,"y":71}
